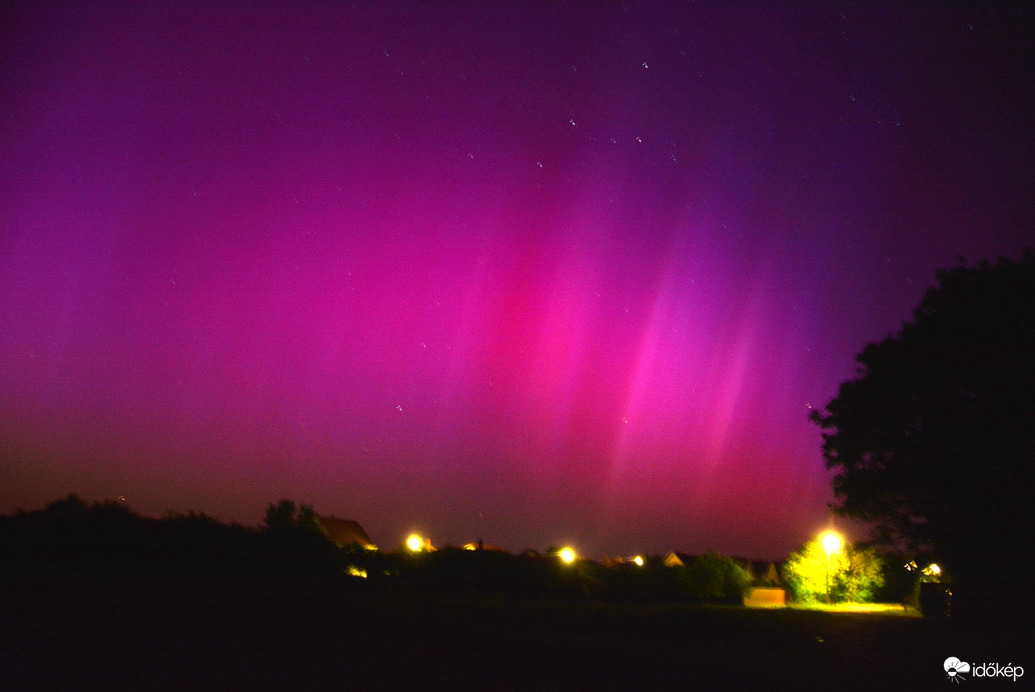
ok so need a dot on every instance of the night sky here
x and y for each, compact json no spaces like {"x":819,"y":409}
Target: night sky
{"x":531,"y":273}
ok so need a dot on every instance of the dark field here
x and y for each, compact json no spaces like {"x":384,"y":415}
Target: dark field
{"x":266,"y":635}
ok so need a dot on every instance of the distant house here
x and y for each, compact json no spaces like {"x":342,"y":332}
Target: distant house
{"x":764,"y":574}
{"x":346,"y":532}
{"x":617,"y":562}
{"x":674,"y":559}
{"x":479,"y":545}
{"x":766,"y":588}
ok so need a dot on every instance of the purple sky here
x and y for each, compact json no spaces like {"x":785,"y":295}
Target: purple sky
{"x":536,"y":273}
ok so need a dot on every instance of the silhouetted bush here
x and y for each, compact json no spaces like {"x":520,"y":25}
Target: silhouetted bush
{"x":716,"y":578}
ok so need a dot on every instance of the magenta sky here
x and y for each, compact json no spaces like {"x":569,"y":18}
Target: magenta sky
{"x":532,"y":274}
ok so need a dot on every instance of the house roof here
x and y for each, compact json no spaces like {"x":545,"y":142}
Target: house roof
{"x":674,"y":559}
{"x":762,"y":572}
{"x":479,"y":545}
{"x":345,"y":532}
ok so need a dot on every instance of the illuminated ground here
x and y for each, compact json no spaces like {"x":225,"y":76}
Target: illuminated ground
{"x":260,"y":636}
{"x":882,"y":608}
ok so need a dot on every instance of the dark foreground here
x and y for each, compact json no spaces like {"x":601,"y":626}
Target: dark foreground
{"x":305,"y":636}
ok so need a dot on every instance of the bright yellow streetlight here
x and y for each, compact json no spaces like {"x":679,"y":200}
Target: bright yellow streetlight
{"x":415,"y":543}
{"x":567,"y":555}
{"x":638,"y":560}
{"x":831,"y":542}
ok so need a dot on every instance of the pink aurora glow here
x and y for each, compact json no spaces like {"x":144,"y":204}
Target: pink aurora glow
{"x":528,"y":274}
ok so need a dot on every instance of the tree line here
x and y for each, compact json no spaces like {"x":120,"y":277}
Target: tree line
{"x":72,"y":538}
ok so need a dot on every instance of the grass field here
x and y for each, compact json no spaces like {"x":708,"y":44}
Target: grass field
{"x":883,"y":608}
{"x":300,"y":636}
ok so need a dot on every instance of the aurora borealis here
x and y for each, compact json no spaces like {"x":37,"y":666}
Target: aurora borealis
{"x":532,"y":273}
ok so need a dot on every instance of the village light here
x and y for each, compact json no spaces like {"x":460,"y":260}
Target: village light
{"x":567,"y":555}
{"x":415,"y":543}
{"x":638,"y":560}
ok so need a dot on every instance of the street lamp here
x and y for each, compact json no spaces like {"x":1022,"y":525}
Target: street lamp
{"x":831,"y":542}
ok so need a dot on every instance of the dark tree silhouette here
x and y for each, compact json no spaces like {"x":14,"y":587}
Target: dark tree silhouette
{"x":934,"y":440}
{"x":298,"y":543}
{"x":286,"y":515}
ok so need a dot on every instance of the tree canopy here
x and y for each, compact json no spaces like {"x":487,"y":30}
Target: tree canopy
{"x":852,"y":573}
{"x":934,"y":440}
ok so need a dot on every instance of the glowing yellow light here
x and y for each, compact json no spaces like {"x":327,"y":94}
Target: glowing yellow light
{"x":357,"y":572}
{"x":933,"y":568}
{"x":832,"y":542}
{"x":567,"y":555}
{"x":415,"y":543}
{"x":638,"y":560}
